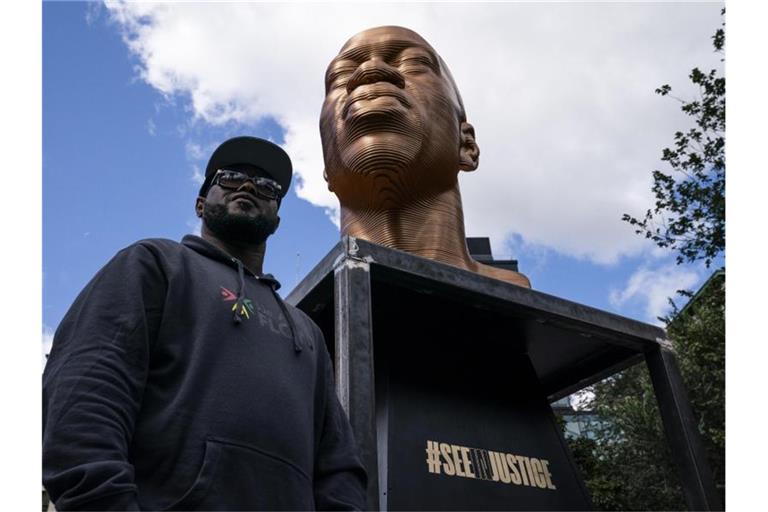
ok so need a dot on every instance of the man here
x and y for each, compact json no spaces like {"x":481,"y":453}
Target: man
{"x":179,"y":379}
{"x":395,"y":136}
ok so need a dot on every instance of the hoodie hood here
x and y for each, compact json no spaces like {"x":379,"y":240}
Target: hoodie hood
{"x":209,"y":250}
{"x":206,"y":248}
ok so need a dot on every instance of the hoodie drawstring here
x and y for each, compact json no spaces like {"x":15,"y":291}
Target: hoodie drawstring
{"x":241,"y":297}
{"x":296,"y":344}
{"x":240,"y":291}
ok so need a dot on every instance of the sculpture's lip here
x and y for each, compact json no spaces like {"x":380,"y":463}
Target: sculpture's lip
{"x":374,"y":91}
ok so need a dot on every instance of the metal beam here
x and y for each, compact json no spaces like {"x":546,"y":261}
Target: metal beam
{"x":354,"y":361}
{"x":681,"y":431}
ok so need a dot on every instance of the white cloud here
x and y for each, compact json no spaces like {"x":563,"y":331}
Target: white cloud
{"x":653,"y":288}
{"x":561,"y":96}
{"x":92,"y":12}
{"x":47,"y":343}
{"x":194,"y":151}
{"x":198,"y":176}
{"x":195,"y":225}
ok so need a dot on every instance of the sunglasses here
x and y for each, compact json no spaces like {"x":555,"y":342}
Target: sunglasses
{"x":265,"y":187}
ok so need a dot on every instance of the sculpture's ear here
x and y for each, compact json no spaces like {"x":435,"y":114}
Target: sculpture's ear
{"x":469,"y":152}
{"x":325,"y":177}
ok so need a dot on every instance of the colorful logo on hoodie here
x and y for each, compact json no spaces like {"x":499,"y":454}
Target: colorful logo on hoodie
{"x":246,"y":306}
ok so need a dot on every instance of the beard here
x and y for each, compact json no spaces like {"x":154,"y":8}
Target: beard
{"x":238,"y":229}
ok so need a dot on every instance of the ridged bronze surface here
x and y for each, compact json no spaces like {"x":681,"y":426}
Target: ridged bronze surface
{"x":395,"y":137}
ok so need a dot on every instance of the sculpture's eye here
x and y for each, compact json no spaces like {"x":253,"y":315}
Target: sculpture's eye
{"x":415,"y":60}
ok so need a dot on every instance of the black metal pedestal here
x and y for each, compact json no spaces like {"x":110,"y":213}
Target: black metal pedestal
{"x":447,"y":375}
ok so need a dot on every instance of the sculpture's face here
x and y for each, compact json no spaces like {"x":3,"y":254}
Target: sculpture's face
{"x":390,"y":122}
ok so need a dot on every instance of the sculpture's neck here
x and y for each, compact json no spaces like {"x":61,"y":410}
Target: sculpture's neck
{"x":432,"y":227}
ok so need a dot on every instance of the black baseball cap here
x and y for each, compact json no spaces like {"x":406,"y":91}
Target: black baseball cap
{"x":254,"y":151}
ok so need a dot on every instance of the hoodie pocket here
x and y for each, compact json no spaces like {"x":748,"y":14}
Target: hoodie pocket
{"x":239,"y":476}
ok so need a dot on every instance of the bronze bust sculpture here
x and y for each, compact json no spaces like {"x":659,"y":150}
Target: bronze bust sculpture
{"x":395,"y":137}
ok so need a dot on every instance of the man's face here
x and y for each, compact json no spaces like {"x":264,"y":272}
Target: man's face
{"x":390,"y":116}
{"x":239,"y":216}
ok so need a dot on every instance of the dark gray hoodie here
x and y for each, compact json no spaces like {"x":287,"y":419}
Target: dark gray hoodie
{"x":178,"y":380}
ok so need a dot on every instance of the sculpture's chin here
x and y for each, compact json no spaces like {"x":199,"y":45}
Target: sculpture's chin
{"x":374,"y":171}
{"x":384,"y":138}
{"x":374,"y":153}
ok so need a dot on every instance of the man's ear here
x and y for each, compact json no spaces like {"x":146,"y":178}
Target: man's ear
{"x":469,"y":152}
{"x":199,"y":202}
{"x":325,"y":177}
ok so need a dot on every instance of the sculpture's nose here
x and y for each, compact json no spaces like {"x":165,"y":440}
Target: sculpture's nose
{"x":375,"y":70}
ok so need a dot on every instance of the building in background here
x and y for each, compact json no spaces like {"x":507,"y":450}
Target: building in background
{"x":480,"y":250}
{"x":576,"y":422}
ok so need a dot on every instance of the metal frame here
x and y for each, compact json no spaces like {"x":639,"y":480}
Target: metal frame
{"x":681,"y":431}
{"x":355,"y":378}
{"x":623,"y":342}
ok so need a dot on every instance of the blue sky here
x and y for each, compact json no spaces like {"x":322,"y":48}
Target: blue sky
{"x":89,"y":64}
{"x":116,"y":168}
{"x":130,"y":117}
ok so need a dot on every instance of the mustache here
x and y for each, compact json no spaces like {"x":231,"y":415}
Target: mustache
{"x":244,"y":195}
